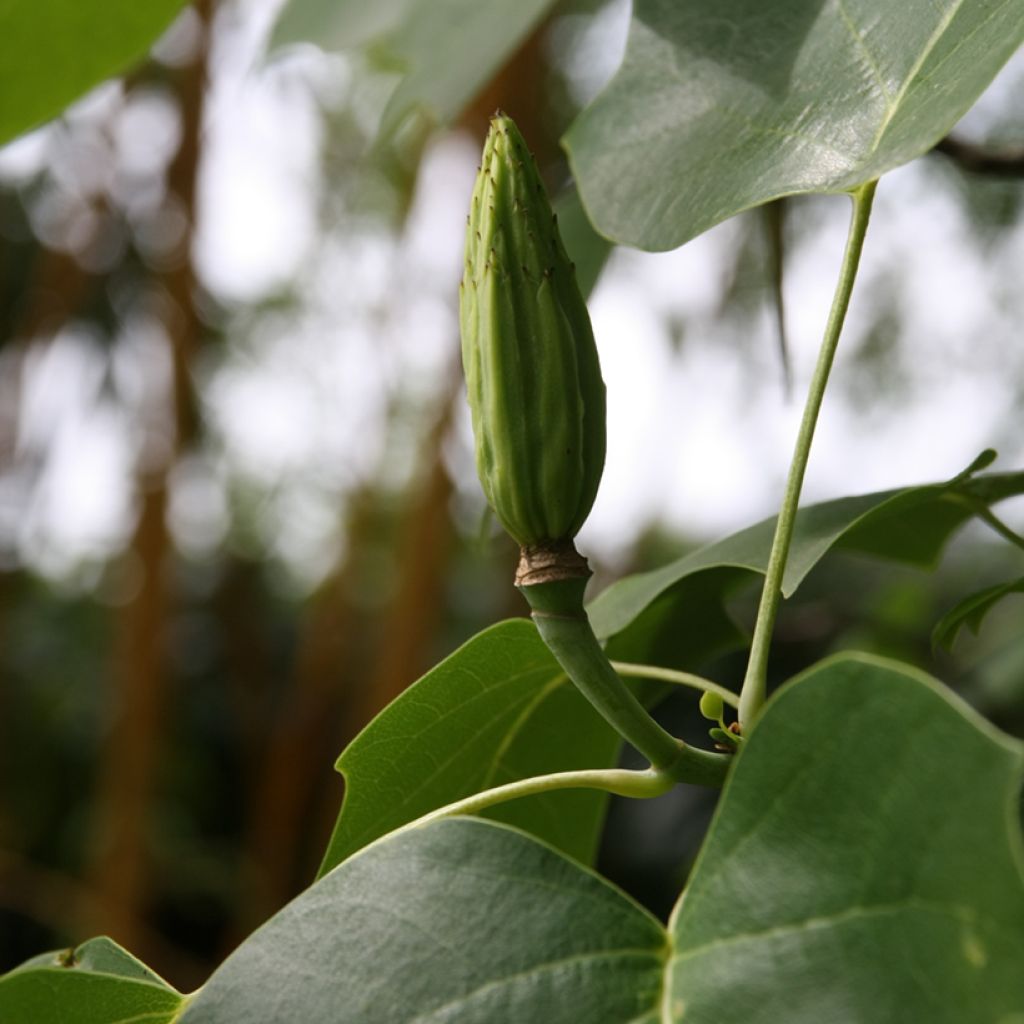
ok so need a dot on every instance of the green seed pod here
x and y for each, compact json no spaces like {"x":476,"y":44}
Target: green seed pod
{"x":532,"y":372}
{"x":712,"y":706}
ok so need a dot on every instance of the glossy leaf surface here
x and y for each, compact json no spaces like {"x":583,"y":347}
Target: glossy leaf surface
{"x":721,"y":105}
{"x":497,"y":710}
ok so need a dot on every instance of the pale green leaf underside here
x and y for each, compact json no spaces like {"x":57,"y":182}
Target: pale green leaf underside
{"x":53,"y":52}
{"x":910,"y":525}
{"x":864,"y":867}
{"x":721,"y":105}
{"x":457,"y":921}
{"x":497,"y":710}
{"x":865,"y":864}
{"x":444,"y":51}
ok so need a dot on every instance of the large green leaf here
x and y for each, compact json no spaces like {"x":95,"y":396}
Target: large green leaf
{"x":864,"y":866}
{"x":721,"y":105}
{"x":54,"y":51}
{"x":96,"y":983}
{"x":444,"y":50}
{"x":497,"y":710}
{"x":640,"y":612}
{"x":461,"y":921}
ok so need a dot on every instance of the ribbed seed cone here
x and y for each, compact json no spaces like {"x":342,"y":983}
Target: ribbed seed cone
{"x":532,"y":371}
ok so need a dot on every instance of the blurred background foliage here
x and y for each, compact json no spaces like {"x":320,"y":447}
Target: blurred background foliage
{"x":237,"y":507}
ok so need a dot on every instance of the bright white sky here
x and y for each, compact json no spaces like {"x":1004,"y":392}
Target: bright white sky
{"x":698,"y":438}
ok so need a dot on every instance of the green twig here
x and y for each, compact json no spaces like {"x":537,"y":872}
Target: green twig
{"x":755,"y":683}
{"x":671,"y":675}
{"x":621,"y":782}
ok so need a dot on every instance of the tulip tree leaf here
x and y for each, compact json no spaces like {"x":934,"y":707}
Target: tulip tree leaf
{"x":497,"y":710}
{"x":445,"y":51}
{"x":53,"y":52}
{"x":911,"y":526}
{"x":721,"y":105}
{"x":864,"y":864}
{"x":971,"y":611}
{"x":458,"y":921}
{"x":96,"y":983}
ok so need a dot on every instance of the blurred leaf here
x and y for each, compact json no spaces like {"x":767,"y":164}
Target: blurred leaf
{"x":97,"y":983}
{"x":721,"y":105}
{"x":337,"y":24}
{"x":445,"y":50}
{"x":497,"y":710}
{"x":460,"y":920}
{"x":588,"y":250}
{"x":774,"y":221}
{"x":971,"y":611}
{"x":53,"y":52}
{"x":849,"y":875}
{"x":864,"y":864}
{"x":910,"y":526}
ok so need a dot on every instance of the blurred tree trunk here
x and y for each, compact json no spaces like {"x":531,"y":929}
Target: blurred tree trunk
{"x":341,"y":681}
{"x":139,"y":702}
{"x":417,"y":610}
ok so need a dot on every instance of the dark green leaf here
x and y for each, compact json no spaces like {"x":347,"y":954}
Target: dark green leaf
{"x":971,"y":611}
{"x":721,"y":105}
{"x":910,"y":526}
{"x":497,"y":710}
{"x":458,"y":921}
{"x":96,"y":983}
{"x":53,"y":52}
{"x":864,"y":865}
{"x":445,"y":50}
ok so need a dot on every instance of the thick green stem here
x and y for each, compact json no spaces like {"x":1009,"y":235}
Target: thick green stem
{"x":563,"y":624}
{"x":755,"y":683}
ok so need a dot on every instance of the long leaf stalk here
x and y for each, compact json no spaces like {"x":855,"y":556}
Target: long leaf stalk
{"x":755,"y":682}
